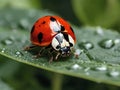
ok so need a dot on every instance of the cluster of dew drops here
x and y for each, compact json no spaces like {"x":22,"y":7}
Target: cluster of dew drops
{"x":22,"y":24}
{"x":106,"y":44}
{"x":10,"y":41}
{"x":101,"y":68}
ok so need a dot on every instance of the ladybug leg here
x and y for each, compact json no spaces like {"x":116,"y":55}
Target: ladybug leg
{"x":29,"y":47}
{"x":40,"y":52}
{"x":56,"y":57}
{"x":50,"y":52}
{"x":51,"y":59}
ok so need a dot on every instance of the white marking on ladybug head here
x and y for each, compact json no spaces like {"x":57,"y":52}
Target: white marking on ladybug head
{"x":59,"y":43}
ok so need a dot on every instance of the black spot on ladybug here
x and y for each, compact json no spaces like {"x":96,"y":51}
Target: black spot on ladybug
{"x":43,"y":22}
{"x":71,"y":29}
{"x":52,"y":19}
{"x":40,"y":36}
{"x":32,"y":29}
{"x":66,"y":36}
{"x":62,"y":28}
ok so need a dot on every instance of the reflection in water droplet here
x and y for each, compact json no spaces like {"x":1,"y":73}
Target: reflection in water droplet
{"x":114,"y":73}
{"x":87,"y":73}
{"x":3,"y":50}
{"x":99,"y":31}
{"x":24,"y":23}
{"x":117,"y":41}
{"x":86,"y":45}
{"x":75,"y":67}
{"x":18,"y":54}
{"x":8,"y":41}
{"x":77,"y":53}
{"x":101,"y":68}
{"x":106,"y":43}
{"x":43,"y":64}
{"x":87,"y":69}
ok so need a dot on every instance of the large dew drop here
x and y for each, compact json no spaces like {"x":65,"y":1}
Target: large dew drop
{"x":101,"y":68}
{"x":86,"y":45}
{"x":8,"y":41}
{"x":117,"y":41}
{"x":76,"y":66}
{"x":24,"y":23}
{"x":99,"y":31}
{"x":114,"y":73}
{"x":106,"y":43}
{"x":77,"y":53}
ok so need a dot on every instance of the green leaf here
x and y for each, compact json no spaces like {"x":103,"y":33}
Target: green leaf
{"x":99,"y":60}
{"x":105,"y":62}
{"x":24,"y":19}
{"x":4,"y":86}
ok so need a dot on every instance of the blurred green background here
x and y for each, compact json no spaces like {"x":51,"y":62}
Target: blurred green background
{"x":104,"y":13}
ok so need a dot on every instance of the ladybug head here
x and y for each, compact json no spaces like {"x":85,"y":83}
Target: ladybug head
{"x":63,"y":43}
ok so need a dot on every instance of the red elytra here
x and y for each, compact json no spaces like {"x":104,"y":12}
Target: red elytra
{"x":42,"y":32}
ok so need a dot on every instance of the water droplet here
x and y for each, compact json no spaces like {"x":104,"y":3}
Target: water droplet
{"x":86,"y":45}
{"x":117,"y":41}
{"x":43,"y":64}
{"x":87,"y":69}
{"x":114,"y":73}
{"x":106,"y":43}
{"x":18,"y":54}
{"x":23,"y":41}
{"x":99,"y":31}
{"x":87,"y":73}
{"x":24,"y":23}
{"x":26,"y":51}
{"x":75,"y":67}
{"x":77,"y":53}
{"x":8,"y":41}
{"x":3,"y":50}
{"x":101,"y":68}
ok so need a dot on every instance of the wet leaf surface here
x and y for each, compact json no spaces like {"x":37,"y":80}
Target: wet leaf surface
{"x":97,"y":62}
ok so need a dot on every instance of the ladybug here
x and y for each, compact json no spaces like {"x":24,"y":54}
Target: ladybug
{"x":55,"y":33}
